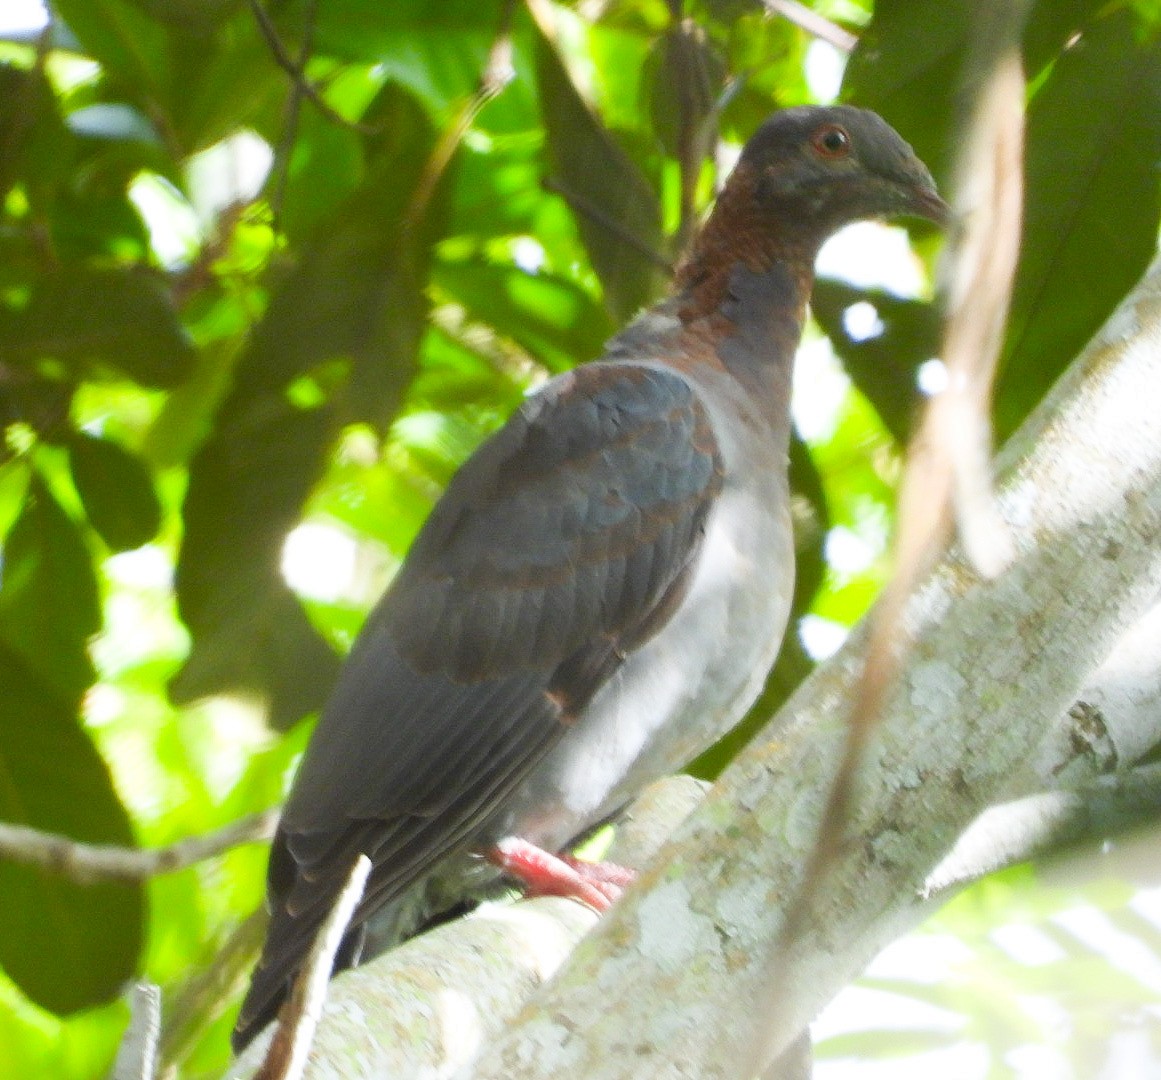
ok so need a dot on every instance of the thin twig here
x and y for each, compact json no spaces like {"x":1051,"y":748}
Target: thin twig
{"x":929,"y":483}
{"x":498,"y":73}
{"x":813,"y":23}
{"x":298,"y":1020}
{"x":296,"y":69}
{"x":989,"y":202}
{"x":292,"y":113}
{"x":137,"y":1054}
{"x":106,"y":862}
{"x":594,"y":213}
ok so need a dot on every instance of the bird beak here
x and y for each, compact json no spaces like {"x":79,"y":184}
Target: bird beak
{"x":925,"y":202}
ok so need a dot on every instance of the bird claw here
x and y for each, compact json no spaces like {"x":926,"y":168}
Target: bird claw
{"x":541,"y":873}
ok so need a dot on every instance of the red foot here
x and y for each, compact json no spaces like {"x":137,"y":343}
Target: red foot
{"x":542,"y":874}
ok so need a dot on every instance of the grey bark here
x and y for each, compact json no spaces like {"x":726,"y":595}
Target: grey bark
{"x":427,"y":1008}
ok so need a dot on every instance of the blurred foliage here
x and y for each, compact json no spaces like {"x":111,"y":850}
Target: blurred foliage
{"x":225,"y":313}
{"x":1052,"y":972}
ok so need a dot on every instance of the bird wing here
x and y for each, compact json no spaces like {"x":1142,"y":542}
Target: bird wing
{"x":563,"y":543}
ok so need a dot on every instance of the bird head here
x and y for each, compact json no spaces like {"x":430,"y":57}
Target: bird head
{"x":817,"y":169}
{"x":802,"y":176}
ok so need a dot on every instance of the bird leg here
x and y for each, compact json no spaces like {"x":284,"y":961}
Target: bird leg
{"x":544,"y":874}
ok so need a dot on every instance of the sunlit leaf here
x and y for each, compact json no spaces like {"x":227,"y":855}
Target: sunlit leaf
{"x":112,"y":122}
{"x":325,"y":167}
{"x":766,"y":58}
{"x":126,"y":41}
{"x":616,"y":210}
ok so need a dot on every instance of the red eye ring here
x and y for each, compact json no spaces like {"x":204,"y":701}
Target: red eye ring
{"x":831,"y":141}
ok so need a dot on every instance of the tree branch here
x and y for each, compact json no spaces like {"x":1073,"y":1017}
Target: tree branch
{"x":105,"y":862}
{"x":949,"y":460}
{"x":1047,"y":824}
{"x":427,"y":1007}
{"x":137,"y":1054}
{"x":992,"y":664}
{"x":286,"y":1056}
{"x":489,"y":965}
{"x":813,"y":23}
{"x":484,"y":963}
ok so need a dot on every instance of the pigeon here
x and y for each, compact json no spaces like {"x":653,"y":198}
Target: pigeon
{"x":603,"y":587}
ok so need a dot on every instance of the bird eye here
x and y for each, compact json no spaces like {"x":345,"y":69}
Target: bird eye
{"x":832,"y":141}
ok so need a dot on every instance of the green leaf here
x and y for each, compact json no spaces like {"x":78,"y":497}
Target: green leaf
{"x":224,"y":81}
{"x":325,"y":168}
{"x":41,"y":403}
{"x":127,"y":43}
{"x":768,"y":58}
{"x":91,"y":221}
{"x":882,"y":1044}
{"x":1091,"y":216}
{"x":38,"y":149}
{"x":1093,"y":139}
{"x":810,"y":515}
{"x":454,"y":377}
{"x":1051,"y":26}
{"x":199,"y":17}
{"x":49,"y":602}
{"x":116,"y":488}
{"x":684,"y":76}
{"x":369,"y":30}
{"x":124,"y":318}
{"x":340,"y":338}
{"x":198,"y":69}
{"x":440,"y":68}
{"x":68,"y":946}
{"x":554,"y":320}
{"x":617,"y":211}
{"x":357,"y":292}
{"x":499,"y":192}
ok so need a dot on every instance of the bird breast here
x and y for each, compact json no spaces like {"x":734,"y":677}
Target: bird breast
{"x":695,"y":678}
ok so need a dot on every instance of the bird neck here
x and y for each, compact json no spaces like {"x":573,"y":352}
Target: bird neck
{"x":744,"y":286}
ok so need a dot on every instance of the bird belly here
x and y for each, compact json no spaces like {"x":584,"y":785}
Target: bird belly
{"x":682,"y":689}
